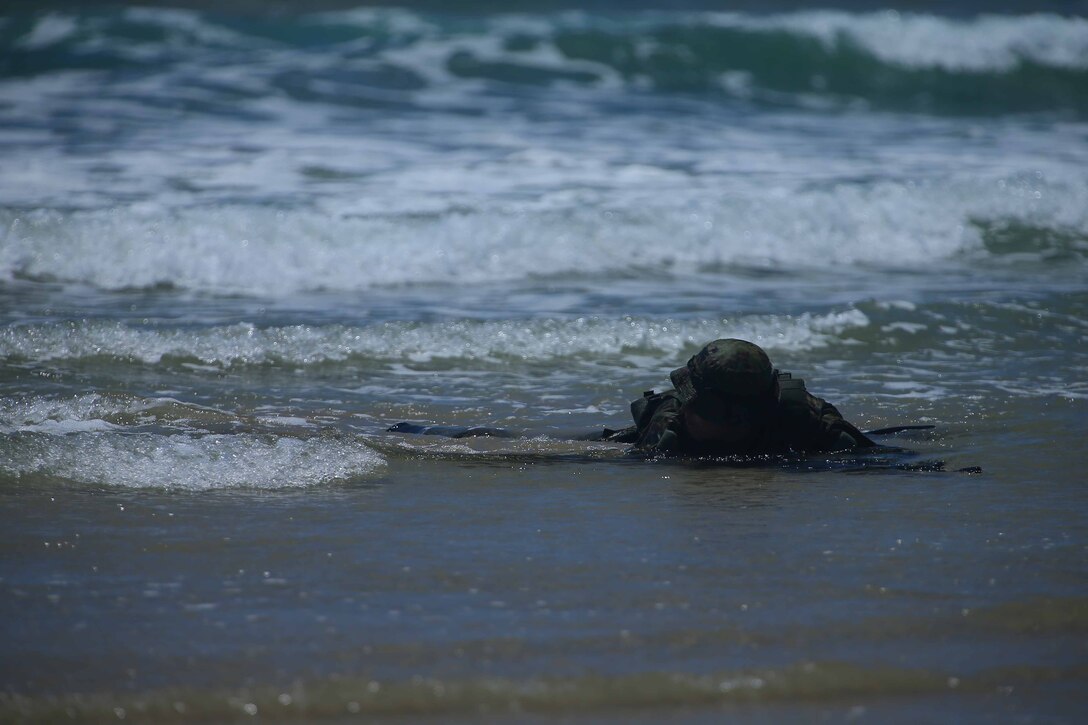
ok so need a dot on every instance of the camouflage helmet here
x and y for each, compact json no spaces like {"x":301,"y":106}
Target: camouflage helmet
{"x":736,"y":368}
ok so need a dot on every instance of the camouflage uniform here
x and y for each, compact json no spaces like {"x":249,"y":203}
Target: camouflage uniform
{"x":783,"y":417}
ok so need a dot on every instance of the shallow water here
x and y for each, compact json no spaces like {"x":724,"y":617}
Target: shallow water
{"x":235,"y":247}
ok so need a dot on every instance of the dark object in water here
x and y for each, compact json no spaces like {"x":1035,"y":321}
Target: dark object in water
{"x":897,"y":429}
{"x":450,"y":431}
{"x":876,"y":458}
{"x":479,"y":431}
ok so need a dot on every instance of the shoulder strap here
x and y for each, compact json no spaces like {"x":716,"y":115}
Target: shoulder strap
{"x":792,"y":392}
{"x":644,"y":408}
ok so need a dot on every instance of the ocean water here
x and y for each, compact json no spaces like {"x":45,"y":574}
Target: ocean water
{"x":238,"y":242}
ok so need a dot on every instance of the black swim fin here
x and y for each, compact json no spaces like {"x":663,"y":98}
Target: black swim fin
{"x":897,"y":429}
{"x":450,"y":431}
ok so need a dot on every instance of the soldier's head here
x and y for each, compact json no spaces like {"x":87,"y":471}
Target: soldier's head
{"x":729,"y":389}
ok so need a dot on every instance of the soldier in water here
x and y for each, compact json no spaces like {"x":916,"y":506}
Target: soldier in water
{"x":730,"y":401}
{"x":727,"y":401}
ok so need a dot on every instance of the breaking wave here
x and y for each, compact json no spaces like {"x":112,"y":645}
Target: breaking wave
{"x":389,"y":57}
{"x":418,"y":343}
{"x":184,"y":462}
{"x":258,"y":250}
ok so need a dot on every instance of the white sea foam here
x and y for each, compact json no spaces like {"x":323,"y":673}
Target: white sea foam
{"x":254,"y":249}
{"x":64,"y":427}
{"x":389,"y":19}
{"x":189,"y":463}
{"x":420,"y":343}
{"x":981,"y":43}
{"x":50,"y":29}
{"x":86,"y":412}
{"x":916,"y":40}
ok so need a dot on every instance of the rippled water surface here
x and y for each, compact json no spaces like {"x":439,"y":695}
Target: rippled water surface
{"x":236,"y":245}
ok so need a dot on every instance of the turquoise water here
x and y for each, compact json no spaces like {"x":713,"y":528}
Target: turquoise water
{"x":237,"y":245}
